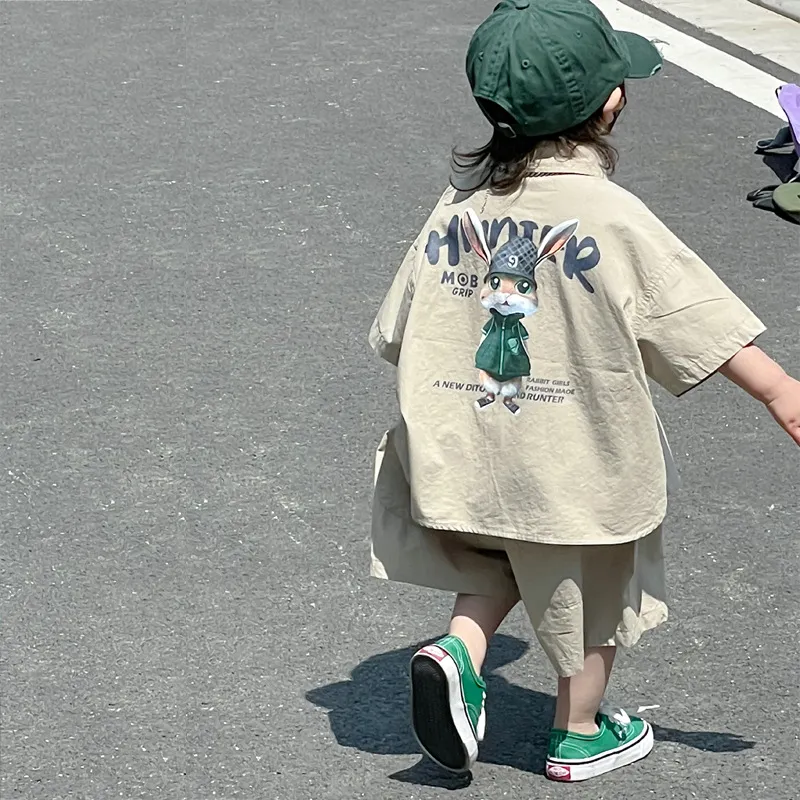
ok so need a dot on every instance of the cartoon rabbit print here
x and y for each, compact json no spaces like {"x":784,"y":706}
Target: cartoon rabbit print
{"x":509,"y":294}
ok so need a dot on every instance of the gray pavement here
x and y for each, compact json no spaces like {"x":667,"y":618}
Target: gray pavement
{"x":204,"y":205}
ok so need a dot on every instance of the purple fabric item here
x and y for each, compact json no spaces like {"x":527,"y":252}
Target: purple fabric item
{"x":789,"y":99}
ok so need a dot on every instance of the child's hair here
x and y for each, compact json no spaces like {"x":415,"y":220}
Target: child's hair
{"x":504,"y":162}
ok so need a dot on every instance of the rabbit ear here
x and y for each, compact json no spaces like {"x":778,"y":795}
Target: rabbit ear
{"x":473,"y":230}
{"x":556,"y":239}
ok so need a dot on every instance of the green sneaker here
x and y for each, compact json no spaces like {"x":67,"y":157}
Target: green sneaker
{"x":620,"y":741}
{"x":447,"y":704}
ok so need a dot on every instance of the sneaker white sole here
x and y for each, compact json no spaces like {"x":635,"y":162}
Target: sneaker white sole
{"x":439,"y":712}
{"x":581,"y":769}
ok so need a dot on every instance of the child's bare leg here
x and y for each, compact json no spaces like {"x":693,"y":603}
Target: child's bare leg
{"x":579,"y":748}
{"x":475,"y":619}
{"x":579,"y":697}
{"x":447,"y":692}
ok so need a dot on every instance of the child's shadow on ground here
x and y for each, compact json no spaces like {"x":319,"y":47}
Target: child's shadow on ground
{"x":370,"y":712}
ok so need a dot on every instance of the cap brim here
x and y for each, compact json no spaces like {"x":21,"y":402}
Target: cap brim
{"x":645,"y":59}
{"x":787,"y":196}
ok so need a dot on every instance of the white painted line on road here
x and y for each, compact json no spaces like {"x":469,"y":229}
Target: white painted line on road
{"x":786,"y":8}
{"x":715,"y":67}
{"x":744,"y":24}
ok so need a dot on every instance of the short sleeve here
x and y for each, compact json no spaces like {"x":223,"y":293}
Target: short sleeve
{"x":386,"y":335}
{"x":691,"y":323}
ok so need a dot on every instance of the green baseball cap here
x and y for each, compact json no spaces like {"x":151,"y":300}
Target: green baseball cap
{"x":551,"y":64}
{"x":787,"y":200}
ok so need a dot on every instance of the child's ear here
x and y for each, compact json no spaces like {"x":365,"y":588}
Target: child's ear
{"x":612,"y":105}
{"x":473,"y":230}
{"x":556,"y":239}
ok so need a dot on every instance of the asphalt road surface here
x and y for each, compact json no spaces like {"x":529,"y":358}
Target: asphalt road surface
{"x":205,"y":203}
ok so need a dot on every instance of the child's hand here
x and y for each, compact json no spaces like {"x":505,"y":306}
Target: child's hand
{"x":785,"y":407}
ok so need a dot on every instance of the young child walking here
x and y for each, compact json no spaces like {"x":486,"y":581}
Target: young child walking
{"x":529,"y":463}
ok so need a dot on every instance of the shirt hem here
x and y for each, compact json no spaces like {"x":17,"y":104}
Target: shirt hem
{"x":605,"y":539}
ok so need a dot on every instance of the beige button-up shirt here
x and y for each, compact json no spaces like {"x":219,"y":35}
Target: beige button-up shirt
{"x":582,"y":460}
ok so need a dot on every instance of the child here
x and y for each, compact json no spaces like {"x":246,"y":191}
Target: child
{"x":529,"y":463}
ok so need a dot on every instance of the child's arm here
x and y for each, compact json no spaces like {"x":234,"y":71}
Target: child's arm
{"x":755,"y":372}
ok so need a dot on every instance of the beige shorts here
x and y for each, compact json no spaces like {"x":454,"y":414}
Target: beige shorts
{"x":576,"y":596}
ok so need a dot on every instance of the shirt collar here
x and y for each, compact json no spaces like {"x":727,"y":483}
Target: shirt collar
{"x":584,"y":161}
